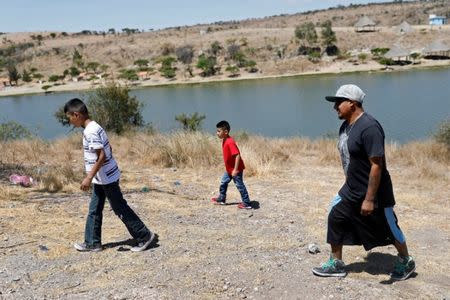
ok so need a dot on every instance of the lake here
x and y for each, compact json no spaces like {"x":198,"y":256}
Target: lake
{"x":408,"y":104}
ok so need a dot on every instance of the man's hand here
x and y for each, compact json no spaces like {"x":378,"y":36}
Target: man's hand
{"x":367,"y":207}
{"x":234,"y":172}
{"x":86,"y":184}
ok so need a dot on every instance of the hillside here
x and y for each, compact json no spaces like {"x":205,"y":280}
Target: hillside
{"x":270,"y":42}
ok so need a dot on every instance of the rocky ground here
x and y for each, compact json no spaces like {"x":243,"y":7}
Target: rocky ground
{"x":219,"y":252}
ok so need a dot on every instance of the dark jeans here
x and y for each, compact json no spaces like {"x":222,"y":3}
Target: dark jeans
{"x":93,"y":231}
{"x":238,"y":181}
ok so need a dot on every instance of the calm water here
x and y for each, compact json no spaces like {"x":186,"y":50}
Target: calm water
{"x":409,"y":105}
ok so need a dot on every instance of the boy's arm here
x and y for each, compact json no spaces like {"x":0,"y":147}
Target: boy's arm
{"x":86,"y":183}
{"x":237,"y":160}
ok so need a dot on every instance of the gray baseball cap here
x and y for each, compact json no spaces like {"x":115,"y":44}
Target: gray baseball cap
{"x":347,"y":91}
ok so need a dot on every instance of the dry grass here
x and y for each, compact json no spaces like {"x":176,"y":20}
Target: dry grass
{"x":57,"y":166}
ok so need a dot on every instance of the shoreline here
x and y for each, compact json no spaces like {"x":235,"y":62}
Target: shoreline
{"x":333,"y":69}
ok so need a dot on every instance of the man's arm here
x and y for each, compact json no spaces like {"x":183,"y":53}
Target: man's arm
{"x":376,"y":165}
{"x":86,"y":183}
{"x":236,"y":165}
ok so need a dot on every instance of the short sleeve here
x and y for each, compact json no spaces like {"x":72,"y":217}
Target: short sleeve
{"x":94,"y":141}
{"x":234,"y":150}
{"x":373,"y":141}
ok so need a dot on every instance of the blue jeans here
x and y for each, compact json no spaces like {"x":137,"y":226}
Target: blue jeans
{"x":93,"y":230}
{"x":238,"y":181}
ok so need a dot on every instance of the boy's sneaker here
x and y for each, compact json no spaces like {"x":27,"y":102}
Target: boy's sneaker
{"x":217,"y":201}
{"x":403,"y":268}
{"x":83,"y":247}
{"x":141,"y":246}
{"x":243,"y":205}
{"x":332,"y":268}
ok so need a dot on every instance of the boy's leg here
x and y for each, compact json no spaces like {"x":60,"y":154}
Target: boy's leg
{"x":93,"y":230}
{"x":119,"y":205}
{"x":226,"y":178}
{"x":239,"y":182}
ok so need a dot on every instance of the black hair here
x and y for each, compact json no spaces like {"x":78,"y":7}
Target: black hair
{"x":224,"y":125}
{"x":76,"y":105}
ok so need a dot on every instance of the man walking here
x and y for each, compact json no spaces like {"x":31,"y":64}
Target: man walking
{"x":362,"y":212}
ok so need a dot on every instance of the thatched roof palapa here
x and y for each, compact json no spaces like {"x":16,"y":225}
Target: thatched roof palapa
{"x":397,"y":52}
{"x":404,"y":27}
{"x":365,"y":24}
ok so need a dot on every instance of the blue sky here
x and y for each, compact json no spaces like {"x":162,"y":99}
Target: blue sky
{"x":77,"y":15}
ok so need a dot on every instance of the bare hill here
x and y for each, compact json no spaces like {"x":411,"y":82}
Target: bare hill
{"x":270,"y":42}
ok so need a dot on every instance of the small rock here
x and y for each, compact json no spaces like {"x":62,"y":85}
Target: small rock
{"x":238,"y":290}
{"x":43,"y":248}
{"x":256,"y":289}
{"x":225,"y":287}
{"x":145,"y":189}
{"x":177,"y":183}
{"x":313,"y":248}
{"x":16,"y":278}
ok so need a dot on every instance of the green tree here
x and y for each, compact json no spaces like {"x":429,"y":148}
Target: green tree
{"x":13,"y":131}
{"x":307,"y":32}
{"x":54,"y":78}
{"x":207,"y":64}
{"x":328,"y":35}
{"x":112,"y":107}
{"x":74,"y":72}
{"x":38,"y":76}
{"x":166,"y":66}
{"x":190,"y":122}
{"x":77,"y":58}
{"x":141,"y":63}
{"x":26,"y":76}
{"x":128,"y":74}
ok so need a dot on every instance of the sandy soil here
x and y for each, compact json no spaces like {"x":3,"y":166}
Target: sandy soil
{"x":219,"y":252}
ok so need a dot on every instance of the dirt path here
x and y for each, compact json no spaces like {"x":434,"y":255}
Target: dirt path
{"x":219,"y":252}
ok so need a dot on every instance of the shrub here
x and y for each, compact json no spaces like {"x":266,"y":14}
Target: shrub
{"x":112,"y":107}
{"x":185,"y":54}
{"x":234,"y":70}
{"x":207,"y":64}
{"x":13,"y":131}
{"x":191,"y":122}
{"x":128,"y":74}
{"x":166,"y":67}
{"x":443,"y":133}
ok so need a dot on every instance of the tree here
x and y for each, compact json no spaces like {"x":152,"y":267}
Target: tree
{"x":13,"y":131}
{"x":13,"y":74}
{"x":207,"y":64}
{"x":306,"y":31}
{"x":77,"y":58}
{"x":141,"y":63}
{"x":53,"y":78}
{"x":185,"y":54}
{"x":216,"y":47}
{"x":112,"y":107}
{"x":93,"y":65}
{"x":166,"y":67}
{"x":74,"y":72}
{"x":328,"y":35}
{"x":26,"y":76}
{"x":191,"y":122}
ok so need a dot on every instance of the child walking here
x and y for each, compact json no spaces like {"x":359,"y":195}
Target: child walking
{"x":234,"y":167}
{"x":103,"y":174}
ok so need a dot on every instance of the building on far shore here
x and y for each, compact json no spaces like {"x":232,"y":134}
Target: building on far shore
{"x":437,"y":20}
{"x":436,"y":50}
{"x":365,"y":24}
{"x":403,"y":28}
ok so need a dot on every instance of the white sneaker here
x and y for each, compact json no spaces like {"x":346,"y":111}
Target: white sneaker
{"x":143,"y":245}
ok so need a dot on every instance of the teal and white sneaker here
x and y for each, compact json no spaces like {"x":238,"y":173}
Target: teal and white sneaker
{"x":403,"y":268}
{"x":332,"y":268}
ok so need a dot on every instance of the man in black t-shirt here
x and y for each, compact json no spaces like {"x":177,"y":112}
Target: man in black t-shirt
{"x":362,"y":212}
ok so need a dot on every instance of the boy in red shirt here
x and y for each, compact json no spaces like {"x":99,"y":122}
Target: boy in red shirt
{"x":234,"y":166}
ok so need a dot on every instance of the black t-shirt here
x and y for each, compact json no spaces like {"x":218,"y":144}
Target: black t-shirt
{"x":358,"y":142}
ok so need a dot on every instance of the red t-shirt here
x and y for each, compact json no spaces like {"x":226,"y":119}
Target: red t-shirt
{"x":230,"y":150}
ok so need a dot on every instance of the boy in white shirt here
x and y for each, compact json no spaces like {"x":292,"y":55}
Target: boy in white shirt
{"x":103,"y":174}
